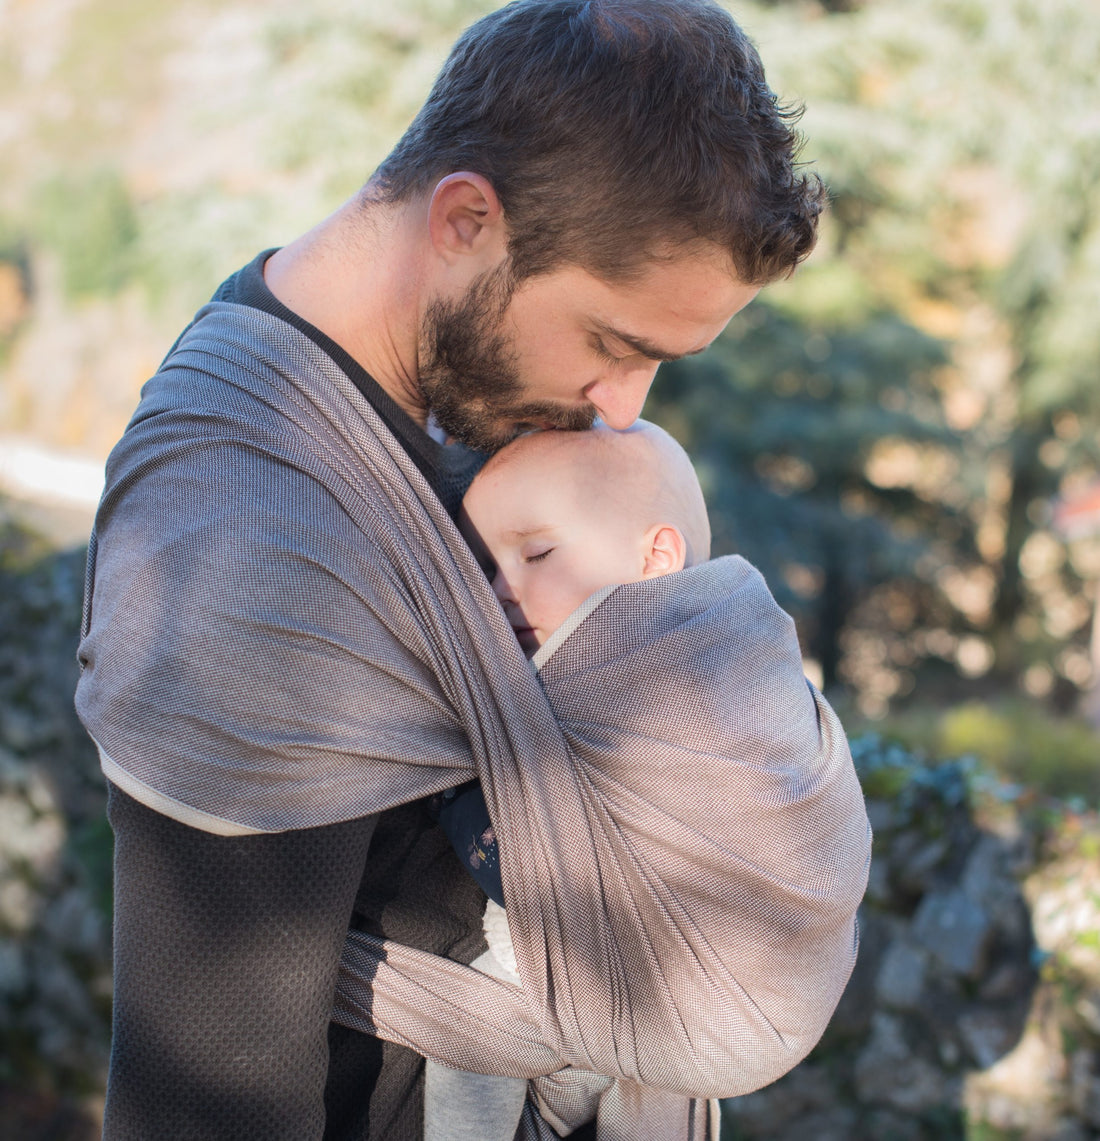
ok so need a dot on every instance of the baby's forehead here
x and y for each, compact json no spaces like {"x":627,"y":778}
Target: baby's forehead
{"x":597,"y":475}
{"x":596,"y":453}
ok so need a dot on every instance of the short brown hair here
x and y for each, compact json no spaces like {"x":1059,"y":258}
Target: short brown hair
{"x":612,"y":129}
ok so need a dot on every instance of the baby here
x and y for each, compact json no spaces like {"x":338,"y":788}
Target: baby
{"x":558,"y":519}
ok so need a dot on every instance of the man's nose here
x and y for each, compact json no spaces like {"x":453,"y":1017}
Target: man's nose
{"x":619,"y":400}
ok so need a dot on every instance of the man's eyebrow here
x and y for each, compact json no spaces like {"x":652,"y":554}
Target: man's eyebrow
{"x":646,"y":348}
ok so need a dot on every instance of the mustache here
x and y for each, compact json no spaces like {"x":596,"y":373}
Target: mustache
{"x":535,"y":415}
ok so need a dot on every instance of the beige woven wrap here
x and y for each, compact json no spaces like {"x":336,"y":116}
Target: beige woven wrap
{"x":682,"y":836}
{"x":682,"y":856}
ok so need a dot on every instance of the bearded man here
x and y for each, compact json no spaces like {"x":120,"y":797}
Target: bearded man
{"x":592,"y":187}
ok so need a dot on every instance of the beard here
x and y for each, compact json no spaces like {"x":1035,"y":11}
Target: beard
{"x":468,"y":377}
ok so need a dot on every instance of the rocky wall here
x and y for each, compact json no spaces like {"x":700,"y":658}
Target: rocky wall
{"x":55,"y":979}
{"x":974,"y":1009}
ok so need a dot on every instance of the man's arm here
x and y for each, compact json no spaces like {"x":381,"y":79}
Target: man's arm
{"x":226,"y":950}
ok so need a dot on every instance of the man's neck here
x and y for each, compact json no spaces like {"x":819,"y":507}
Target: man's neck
{"x":357,"y":278}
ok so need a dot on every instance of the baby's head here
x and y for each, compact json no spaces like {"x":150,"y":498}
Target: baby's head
{"x":561,"y":515}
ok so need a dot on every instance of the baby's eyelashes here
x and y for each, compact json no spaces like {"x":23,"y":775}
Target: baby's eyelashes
{"x":538,"y":557}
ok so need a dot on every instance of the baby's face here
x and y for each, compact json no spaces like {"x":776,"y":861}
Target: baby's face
{"x":552,"y":543}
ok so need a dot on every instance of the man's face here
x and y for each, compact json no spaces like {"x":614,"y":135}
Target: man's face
{"x":561,"y":348}
{"x":553,"y":539}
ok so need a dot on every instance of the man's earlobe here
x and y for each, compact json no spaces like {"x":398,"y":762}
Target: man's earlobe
{"x":465,"y":216}
{"x":666,"y":551}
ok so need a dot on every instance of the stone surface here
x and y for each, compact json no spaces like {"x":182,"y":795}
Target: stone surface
{"x":18,"y":905}
{"x":837,"y":1123}
{"x":1025,"y":1089}
{"x":954,"y":1023}
{"x":888,"y":1071}
{"x":1067,"y":1129}
{"x":882,"y":816}
{"x":1087,"y":1008}
{"x":1065,"y":914}
{"x":1084,"y":1087}
{"x":879,"y":888}
{"x":806,"y":1091}
{"x":988,"y":1035}
{"x":917,"y":860}
{"x":1007,"y":982}
{"x":900,"y":978}
{"x":73,"y":923}
{"x":956,"y":929}
{"x":884,"y":1125}
{"x":13,"y":969}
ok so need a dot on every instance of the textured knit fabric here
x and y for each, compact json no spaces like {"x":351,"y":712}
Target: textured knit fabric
{"x":249,"y":644}
{"x":373,"y":1088}
{"x":198,"y":1051}
{"x":664,"y":892}
{"x":460,"y":1105}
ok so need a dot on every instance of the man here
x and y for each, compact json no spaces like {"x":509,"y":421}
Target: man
{"x":591,"y":188}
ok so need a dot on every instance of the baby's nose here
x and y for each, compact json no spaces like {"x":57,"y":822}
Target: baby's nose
{"x":502,"y":588}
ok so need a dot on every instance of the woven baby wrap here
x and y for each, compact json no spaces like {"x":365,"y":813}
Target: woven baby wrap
{"x":286,"y":630}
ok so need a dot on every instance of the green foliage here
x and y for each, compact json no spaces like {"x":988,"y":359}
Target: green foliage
{"x":89,"y":222}
{"x":11,"y":240}
{"x":888,"y":770}
{"x":1025,"y":744}
{"x":1020,"y":742}
{"x":21,"y":550}
{"x":963,"y":167}
{"x":162,"y":146}
{"x":93,"y":846}
{"x":983,"y":1131}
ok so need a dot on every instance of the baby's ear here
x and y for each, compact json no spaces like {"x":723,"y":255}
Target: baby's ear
{"x":665,"y":551}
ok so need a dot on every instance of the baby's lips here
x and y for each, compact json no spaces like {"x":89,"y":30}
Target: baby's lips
{"x":526,"y":637}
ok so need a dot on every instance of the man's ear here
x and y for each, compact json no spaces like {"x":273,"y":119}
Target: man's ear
{"x":665,"y":551}
{"x":465,"y":217}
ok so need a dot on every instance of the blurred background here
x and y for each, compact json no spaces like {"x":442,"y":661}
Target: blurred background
{"x":905,"y":438}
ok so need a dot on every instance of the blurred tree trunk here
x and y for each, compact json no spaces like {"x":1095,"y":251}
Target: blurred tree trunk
{"x":1092,"y":699}
{"x":832,"y":614}
{"x":1031,"y":481}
